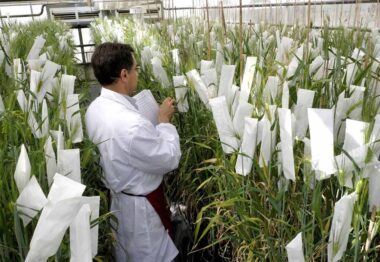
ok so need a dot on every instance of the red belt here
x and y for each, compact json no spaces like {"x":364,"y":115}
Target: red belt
{"x":158,"y":201}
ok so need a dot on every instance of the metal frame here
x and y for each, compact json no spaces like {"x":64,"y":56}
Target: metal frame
{"x":272,"y":5}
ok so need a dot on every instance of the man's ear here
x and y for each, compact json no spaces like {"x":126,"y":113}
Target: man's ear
{"x":123,"y":73}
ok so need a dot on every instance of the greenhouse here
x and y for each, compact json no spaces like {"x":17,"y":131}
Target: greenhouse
{"x":194,"y":130}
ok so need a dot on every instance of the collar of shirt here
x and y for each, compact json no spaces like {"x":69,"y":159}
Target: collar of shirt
{"x":127,"y":101}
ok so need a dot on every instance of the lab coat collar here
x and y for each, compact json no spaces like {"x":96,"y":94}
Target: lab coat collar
{"x":119,"y":98}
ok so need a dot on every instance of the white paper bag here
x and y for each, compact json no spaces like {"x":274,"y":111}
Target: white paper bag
{"x":22,"y":101}
{"x":80,"y":236}
{"x":374,"y":185}
{"x":271,"y":89}
{"x":340,"y":227}
{"x":248,"y":146}
{"x":2,"y":107}
{"x":355,"y":134}
{"x":249,"y":72}
{"x":224,"y":124}
{"x":159,"y":72}
{"x":285,"y":95}
{"x":226,"y":80}
{"x":200,"y":87}
{"x":206,"y":65}
{"x":45,"y":119}
{"x":67,"y":86}
{"x":73,"y":118}
{"x":179,"y":81}
{"x":181,"y":99}
{"x":350,"y":73}
{"x":64,"y":188}
{"x":34,"y":126}
{"x":68,"y":164}
{"x":321,"y":122}
{"x":211,"y":81}
{"x":58,"y":138}
{"x":316,"y":64}
{"x":50,"y":159}
{"x":175,"y":55}
{"x":31,"y":200}
{"x":244,"y":109}
{"x":286,"y":136}
{"x":38,"y":44}
{"x":304,"y":101}
{"x":295,"y":249}
{"x":219,"y":60}
{"x":51,"y":227}
{"x":23,"y":169}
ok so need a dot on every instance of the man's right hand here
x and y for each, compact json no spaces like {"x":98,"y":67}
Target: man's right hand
{"x":167,"y":110}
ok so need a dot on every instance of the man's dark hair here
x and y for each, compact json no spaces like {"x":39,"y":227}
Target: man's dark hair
{"x":109,"y":59}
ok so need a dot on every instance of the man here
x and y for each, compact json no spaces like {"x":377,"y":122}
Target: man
{"x":135,"y":155}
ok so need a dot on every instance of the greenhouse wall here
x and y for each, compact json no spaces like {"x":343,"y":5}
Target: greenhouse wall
{"x":282,"y":12}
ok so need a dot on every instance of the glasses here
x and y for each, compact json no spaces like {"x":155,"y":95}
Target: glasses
{"x":137,"y":69}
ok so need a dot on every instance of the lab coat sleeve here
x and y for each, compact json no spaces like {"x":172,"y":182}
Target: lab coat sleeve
{"x":155,"y":150}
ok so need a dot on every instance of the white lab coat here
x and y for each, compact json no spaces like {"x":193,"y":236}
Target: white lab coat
{"x":135,"y":155}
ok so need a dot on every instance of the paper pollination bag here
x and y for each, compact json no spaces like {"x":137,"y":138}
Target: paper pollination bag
{"x":23,"y":169}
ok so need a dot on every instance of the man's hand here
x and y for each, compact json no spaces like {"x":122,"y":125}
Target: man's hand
{"x":167,"y":110}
